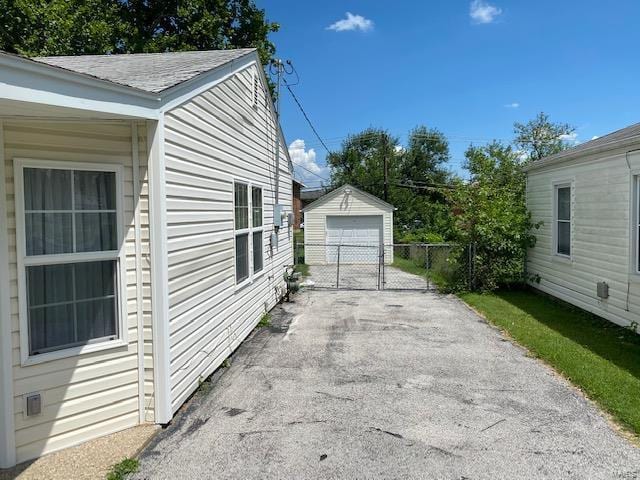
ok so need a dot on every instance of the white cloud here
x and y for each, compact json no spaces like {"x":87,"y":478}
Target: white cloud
{"x":305,"y":164}
{"x":522,"y":155}
{"x":352,"y":22}
{"x":570,"y":138}
{"x":483,"y":12}
{"x":512,"y":105}
{"x":595,"y":137}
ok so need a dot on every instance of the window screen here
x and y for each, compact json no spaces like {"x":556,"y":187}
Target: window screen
{"x":70,"y":301}
{"x":563,"y":220}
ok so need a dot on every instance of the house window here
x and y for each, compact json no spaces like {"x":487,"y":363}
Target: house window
{"x":562,"y":214}
{"x":256,"y":219}
{"x":70,"y":256}
{"x":248,"y":221}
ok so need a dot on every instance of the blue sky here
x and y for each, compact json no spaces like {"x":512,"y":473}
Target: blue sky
{"x":468,"y":68}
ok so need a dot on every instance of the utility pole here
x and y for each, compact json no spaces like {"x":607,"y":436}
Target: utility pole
{"x":279,"y":72}
{"x":386,"y":167}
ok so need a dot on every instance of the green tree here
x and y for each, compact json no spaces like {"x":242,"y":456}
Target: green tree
{"x":540,"y":137}
{"x":423,"y":176}
{"x":360,"y":161}
{"x":424,"y":159}
{"x":72,"y":27}
{"x":492,"y":217}
{"x":60,"y":27}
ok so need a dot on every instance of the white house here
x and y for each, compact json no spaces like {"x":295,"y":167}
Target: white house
{"x":587,"y":251}
{"x":358,"y":221}
{"x":138,"y":240}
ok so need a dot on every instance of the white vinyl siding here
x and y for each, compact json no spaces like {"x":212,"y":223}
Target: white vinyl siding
{"x":211,"y":141}
{"x":92,"y":394}
{"x":601,"y":234}
{"x":354,"y":204}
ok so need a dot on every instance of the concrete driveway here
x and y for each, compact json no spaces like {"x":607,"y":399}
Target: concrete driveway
{"x":366,"y":277}
{"x":387,"y":385}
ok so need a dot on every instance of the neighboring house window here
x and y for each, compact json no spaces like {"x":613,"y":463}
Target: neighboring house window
{"x":562,"y":214}
{"x":248,"y":219}
{"x":70,"y":256}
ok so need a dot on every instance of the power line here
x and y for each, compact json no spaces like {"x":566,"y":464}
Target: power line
{"x":306,"y":116}
{"x":295,"y":164}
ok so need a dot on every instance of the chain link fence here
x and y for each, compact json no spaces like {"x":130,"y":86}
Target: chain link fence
{"x":388,"y":267}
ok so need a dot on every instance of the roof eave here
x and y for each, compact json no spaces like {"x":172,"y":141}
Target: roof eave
{"x":31,"y":82}
{"x":27,"y":64}
{"x":569,"y":155}
{"x":342,"y":188}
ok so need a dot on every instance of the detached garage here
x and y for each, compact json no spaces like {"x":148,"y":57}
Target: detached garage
{"x":349,"y":223}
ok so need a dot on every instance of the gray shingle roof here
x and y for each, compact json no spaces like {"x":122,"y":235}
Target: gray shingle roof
{"x":610,"y":141}
{"x":152,"y":72}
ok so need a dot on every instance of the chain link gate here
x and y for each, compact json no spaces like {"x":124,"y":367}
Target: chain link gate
{"x":373,"y":267}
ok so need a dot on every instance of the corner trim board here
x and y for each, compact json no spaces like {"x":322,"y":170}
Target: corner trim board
{"x":159,"y":272}
{"x":7,"y":429}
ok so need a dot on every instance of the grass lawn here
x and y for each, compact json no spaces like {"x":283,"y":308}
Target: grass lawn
{"x":410,"y":266}
{"x":303,"y":268}
{"x":596,"y":355}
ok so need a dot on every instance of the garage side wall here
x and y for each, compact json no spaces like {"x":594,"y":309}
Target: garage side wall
{"x":214,"y":139}
{"x":315,"y":223}
{"x":601,"y":235}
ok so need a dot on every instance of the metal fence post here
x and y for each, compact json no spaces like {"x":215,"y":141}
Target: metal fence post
{"x":383,"y":269}
{"x":380,"y":250}
{"x":338,"y":270}
{"x":427,"y":266}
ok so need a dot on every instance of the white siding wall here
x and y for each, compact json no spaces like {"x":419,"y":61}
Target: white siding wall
{"x":92,"y":394}
{"x":601,"y":235}
{"x":211,"y":140}
{"x":315,"y":221}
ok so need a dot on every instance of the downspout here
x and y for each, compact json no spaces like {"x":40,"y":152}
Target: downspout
{"x":135,"y":156}
{"x":7,"y":428}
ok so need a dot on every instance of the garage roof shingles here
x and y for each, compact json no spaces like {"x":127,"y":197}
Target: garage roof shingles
{"x":151,"y":72}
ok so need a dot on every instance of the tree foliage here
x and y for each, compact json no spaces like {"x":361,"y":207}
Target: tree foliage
{"x":540,"y":137}
{"x":73,"y":27}
{"x":491,"y":217}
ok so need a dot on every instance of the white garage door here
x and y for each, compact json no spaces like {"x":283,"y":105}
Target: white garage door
{"x":359,"y":236}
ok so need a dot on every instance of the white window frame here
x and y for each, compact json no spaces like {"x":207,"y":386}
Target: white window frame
{"x":19,"y":164}
{"x":249,"y":232}
{"x":554,"y":243}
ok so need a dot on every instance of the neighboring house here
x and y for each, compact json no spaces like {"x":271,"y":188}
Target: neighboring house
{"x":138,"y":243}
{"x":297,"y":204}
{"x":311,"y":195}
{"x":350,"y":217}
{"x":588,"y":200}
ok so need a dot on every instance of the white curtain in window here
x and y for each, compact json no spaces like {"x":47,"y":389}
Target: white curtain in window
{"x":70,"y":303}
